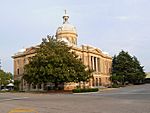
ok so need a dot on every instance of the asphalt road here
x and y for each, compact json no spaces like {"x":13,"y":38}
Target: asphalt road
{"x":131,"y":99}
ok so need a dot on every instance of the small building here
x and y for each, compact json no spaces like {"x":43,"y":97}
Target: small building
{"x":10,"y":86}
{"x":147,"y":78}
{"x":93,"y":57}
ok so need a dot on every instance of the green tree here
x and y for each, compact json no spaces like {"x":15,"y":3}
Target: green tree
{"x":54,"y":62}
{"x":16,"y":85}
{"x":138,"y":74}
{"x":126,"y":68}
{"x":5,"y":78}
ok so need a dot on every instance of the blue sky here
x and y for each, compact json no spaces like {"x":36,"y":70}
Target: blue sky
{"x":111,"y":25}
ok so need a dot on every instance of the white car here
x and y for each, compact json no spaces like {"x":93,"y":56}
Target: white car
{"x":5,"y":89}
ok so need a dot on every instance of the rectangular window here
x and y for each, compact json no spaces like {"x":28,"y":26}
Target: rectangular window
{"x":18,"y":71}
{"x":100,"y":81}
{"x":96,"y":81}
{"x":95,"y":64}
{"x":92,"y":62}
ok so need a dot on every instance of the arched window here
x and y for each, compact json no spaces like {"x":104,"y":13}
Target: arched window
{"x":33,"y":86}
{"x":39,"y":86}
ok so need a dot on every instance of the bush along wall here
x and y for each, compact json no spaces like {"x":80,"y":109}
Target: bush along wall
{"x":85,"y":90}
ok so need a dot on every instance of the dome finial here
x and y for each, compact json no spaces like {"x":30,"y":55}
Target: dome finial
{"x":65,"y":17}
{"x":65,"y":11}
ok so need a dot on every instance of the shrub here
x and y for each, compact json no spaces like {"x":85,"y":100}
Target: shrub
{"x":78,"y":90}
{"x":115,"y":86}
{"x":16,"y":85}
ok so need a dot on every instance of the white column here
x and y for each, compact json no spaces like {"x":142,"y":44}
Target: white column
{"x":96,"y":64}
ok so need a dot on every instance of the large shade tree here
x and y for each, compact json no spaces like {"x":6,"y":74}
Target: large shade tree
{"x":5,"y":78}
{"x":126,"y":68}
{"x":55,"y":62}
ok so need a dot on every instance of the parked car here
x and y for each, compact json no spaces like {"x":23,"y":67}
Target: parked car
{"x":5,"y":89}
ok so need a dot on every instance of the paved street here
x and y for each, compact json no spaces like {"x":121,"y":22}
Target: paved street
{"x":131,"y":99}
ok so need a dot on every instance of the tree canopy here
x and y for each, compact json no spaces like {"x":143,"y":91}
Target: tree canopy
{"x":54,"y":62}
{"x":126,"y":68}
{"x":5,"y":77}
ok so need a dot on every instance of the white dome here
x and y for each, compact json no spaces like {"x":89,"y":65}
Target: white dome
{"x":66,"y":27}
{"x":67,"y":31}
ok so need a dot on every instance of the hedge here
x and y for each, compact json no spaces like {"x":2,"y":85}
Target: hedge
{"x":85,"y":90}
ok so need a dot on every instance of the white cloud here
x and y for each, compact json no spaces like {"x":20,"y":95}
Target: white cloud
{"x":123,"y":18}
{"x":130,"y":18}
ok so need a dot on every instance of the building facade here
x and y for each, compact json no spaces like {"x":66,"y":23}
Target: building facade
{"x":91,"y":56}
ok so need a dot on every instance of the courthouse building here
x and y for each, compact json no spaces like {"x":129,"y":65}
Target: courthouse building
{"x":91,"y":56}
